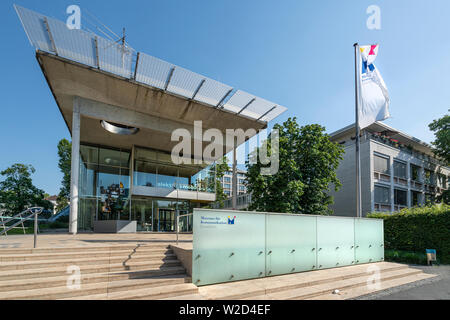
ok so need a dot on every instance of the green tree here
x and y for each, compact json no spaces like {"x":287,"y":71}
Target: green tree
{"x":221,"y":168}
{"x":64,"y":164}
{"x":307,"y":168}
{"x":441,"y":147}
{"x":17,"y":191}
{"x":441,"y":144}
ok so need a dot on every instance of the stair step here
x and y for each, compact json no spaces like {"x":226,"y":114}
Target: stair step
{"x":195,"y":296}
{"x":153,"y":268}
{"x":106,"y":287}
{"x":58,"y":281}
{"x":316,"y":290}
{"x":268,"y":285}
{"x":363,"y":290}
{"x":82,"y":249}
{"x":92,"y":254}
{"x":159,"y":292}
{"x":37,"y":264}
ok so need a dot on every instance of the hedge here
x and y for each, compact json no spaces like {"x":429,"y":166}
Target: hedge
{"x":419,"y":228}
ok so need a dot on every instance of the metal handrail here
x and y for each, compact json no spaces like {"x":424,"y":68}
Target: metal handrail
{"x":178,"y":223}
{"x":34,"y":212}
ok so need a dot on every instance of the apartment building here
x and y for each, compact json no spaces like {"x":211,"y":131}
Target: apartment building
{"x":227,"y":183}
{"x":397,"y":171}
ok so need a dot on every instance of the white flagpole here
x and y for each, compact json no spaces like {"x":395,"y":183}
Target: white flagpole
{"x":357,"y":147}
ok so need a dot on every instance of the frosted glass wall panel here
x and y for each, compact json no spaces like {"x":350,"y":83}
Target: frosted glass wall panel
{"x":227,"y":246}
{"x":369,"y":242}
{"x":291,"y":243}
{"x":335,"y":241}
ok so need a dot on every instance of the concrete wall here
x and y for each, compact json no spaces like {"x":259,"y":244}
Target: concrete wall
{"x":184,"y":255}
{"x":345,"y":198}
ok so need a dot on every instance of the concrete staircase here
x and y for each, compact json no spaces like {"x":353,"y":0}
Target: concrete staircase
{"x":132,"y":271}
{"x":351,"y":282}
{"x":152,"y":271}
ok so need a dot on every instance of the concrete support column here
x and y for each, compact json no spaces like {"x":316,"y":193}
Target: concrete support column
{"x":408,"y":178}
{"x":75,"y":168}
{"x":131,"y":180}
{"x":391,"y":169}
{"x":371,"y":178}
{"x":422,"y":179}
{"x":234,"y":178}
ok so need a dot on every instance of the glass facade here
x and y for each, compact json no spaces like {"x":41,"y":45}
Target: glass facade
{"x":104,"y":185}
{"x":104,"y":188}
{"x":159,"y":215}
{"x":156,"y":169}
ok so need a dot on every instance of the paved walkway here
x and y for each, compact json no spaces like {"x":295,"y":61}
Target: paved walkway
{"x":58,"y":240}
{"x":437,"y":288}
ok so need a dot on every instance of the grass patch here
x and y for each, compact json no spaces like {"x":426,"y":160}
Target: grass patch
{"x":54,"y":225}
{"x":18,"y":231}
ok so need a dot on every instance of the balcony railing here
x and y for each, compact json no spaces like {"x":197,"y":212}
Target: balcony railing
{"x":402,"y":147}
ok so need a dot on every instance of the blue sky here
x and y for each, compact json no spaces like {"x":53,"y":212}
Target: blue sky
{"x":296,"y":53}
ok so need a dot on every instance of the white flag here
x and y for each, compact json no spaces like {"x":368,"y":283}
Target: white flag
{"x":373,"y":94}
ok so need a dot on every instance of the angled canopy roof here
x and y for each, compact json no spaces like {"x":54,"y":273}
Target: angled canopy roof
{"x":52,"y":36}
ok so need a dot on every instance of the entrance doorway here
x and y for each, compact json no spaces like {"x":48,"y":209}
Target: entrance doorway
{"x":159,"y":215}
{"x":165,"y":220}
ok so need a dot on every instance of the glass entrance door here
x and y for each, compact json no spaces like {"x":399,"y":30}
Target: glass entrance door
{"x":142,"y":212}
{"x":166,"y":220}
{"x":185,"y":221}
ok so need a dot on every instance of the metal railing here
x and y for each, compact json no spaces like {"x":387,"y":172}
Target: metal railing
{"x":178,"y":223}
{"x":25,"y":215}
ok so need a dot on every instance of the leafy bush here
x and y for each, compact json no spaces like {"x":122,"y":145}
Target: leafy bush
{"x":405,"y":256}
{"x":415,"y":229}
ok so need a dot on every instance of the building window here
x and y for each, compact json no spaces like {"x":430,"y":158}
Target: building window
{"x":415,"y":172}
{"x":382,"y":195}
{"x":399,"y":169}
{"x":400,"y":197}
{"x":227,"y":179}
{"x":415,"y":198}
{"x":227,"y":186}
{"x":429,"y":177}
{"x":381,"y":164}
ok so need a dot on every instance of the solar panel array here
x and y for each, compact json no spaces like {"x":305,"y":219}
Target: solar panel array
{"x":53,"y":36}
